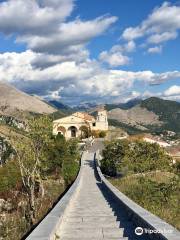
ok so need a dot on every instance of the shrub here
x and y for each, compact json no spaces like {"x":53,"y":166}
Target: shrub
{"x":102,"y":134}
{"x":70,"y":170}
{"x":135,"y":157}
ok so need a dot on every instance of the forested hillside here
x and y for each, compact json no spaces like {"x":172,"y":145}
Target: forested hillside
{"x":168,"y":112}
{"x":153,"y":115}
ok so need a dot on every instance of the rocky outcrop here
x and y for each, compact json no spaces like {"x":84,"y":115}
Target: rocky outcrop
{"x":135,"y":116}
{"x":13,"y":122}
{"x":6,"y":151}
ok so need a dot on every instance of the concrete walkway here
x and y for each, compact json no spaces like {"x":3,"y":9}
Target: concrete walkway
{"x":89,"y":215}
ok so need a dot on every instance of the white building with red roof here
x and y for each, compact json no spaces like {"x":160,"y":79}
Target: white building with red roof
{"x":76,"y":124}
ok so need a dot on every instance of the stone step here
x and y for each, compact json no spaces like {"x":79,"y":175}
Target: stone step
{"x":99,"y":219}
{"x":112,"y":232}
{"x":81,"y":233}
{"x":91,"y":213}
{"x":95,"y":208}
{"x":101,"y":225}
{"x":90,"y":216}
{"x":86,"y":215}
{"x":98,"y":206}
{"x":87,"y":202}
{"x":87,"y":238}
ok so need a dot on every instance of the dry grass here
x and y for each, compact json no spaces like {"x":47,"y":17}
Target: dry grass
{"x":7,"y":131}
{"x":13,"y":224}
{"x":150,"y":195}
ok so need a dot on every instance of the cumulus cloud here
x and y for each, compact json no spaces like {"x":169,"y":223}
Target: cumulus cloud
{"x":116,"y":56}
{"x":128,"y":96}
{"x":68,"y":37}
{"x":72,"y":80}
{"x":173,"y":90}
{"x":172,"y":93}
{"x":160,"y":26}
{"x":156,"y":49}
{"x":42,"y":25}
{"x":162,"y":37}
{"x":114,"y":59}
{"x":163,"y":77}
{"x":57,"y":62}
{"x":34,"y":17}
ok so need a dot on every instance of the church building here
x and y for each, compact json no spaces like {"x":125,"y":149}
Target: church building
{"x":78,"y":123}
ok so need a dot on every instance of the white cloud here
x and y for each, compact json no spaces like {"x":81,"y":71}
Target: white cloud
{"x":172,"y":93}
{"x":127,"y":97}
{"x":114,"y":59}
{"x":163,"y":77}
{"x":172,"y":98}
{"x":160,"y":26}
{"x":156,"y":49}
{"x":42,"y":25}
{"x":132,"y":33}
{"x":70,"y":79}
{"x":130,"y":46}
{"x":68,"y":37}
{"x":162,"y":37}
{"x":33,"y":17}
{"x":173,"y":90}
{"x":57,"y":63}
{"x":116,"y":56}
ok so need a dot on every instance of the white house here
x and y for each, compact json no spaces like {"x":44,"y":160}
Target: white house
{"x":161,"y":143}
{"x":74,"y":125}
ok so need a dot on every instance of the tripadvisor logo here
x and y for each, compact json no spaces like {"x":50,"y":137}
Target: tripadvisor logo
{"x":139,"y":231}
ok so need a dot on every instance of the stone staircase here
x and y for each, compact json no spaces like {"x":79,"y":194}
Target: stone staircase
{"x":89,"y":215}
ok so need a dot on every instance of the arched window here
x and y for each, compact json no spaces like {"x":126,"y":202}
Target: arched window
{"x":73,"y":130}
{"x":61,"y":130}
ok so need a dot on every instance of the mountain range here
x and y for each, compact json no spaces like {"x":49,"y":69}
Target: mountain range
{"x":152,"y":114}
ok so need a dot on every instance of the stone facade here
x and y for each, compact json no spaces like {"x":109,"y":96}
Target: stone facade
{"x":74,"y":125}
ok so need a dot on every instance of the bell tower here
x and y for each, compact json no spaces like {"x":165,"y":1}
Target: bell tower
{"x":102,"y":116}
{"x":101,"y":120}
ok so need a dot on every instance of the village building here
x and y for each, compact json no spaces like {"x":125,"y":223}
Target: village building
{"x":161,"y":143}
{"x":79,"y":124}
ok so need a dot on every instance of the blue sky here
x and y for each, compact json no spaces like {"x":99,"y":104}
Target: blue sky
{"x":97,"y":51}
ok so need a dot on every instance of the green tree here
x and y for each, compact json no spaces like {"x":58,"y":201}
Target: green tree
{"x":55,"y":155}
{"x":70,"y":162}
{"x":143,"y":157}
{"x":134,"y":156}
{"x":30,"y":155}
{"x":113,"y":155}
